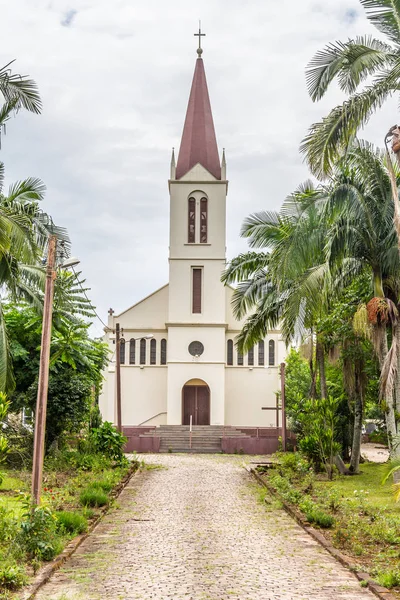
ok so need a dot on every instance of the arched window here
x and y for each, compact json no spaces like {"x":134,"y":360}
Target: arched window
{"x":122,"y":351}
{"x":239,"y":359}
{"x":271,"y":353}
{"x":142,"y":351}
{"x":153,"y":349}
{"x":261,"y":359}
{"x":229,"y":352}
{"x":203,"y":220}
{"x":192,"y":221}
{"x":250,"y":357}
{"x":163,"y":352}
{"x":132,"y":351}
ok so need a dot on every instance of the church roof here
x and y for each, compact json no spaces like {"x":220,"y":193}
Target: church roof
{"x":198,"y":144}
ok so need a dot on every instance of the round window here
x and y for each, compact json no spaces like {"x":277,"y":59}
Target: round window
{"x":196,"y":348}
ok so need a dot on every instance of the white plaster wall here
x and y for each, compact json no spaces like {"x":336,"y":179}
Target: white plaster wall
{"x":106,"y":398}
{"x":212,"y":338}
{"x":212,"y":374}
{"x":247,"y":391}
{"x":148,"y":314}
{"x":143,"y":393}
{"x":180,"y":288}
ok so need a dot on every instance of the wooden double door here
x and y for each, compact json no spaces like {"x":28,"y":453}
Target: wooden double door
{"x":196,"y":402}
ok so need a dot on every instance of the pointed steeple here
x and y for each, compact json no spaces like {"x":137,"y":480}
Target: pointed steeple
{"x":198,"y":144}
{"x":223,"y":165}
{"x":173,"y":165}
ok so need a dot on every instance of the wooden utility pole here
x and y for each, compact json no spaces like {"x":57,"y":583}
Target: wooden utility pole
{"x":118,"y":376}
{"x":283,"y":407}
{"x":41,"y":404}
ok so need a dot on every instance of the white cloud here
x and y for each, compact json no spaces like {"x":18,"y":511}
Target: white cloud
{"x":115,"y":79}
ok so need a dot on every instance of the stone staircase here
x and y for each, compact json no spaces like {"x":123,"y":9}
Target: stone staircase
{"x":206,"y":439}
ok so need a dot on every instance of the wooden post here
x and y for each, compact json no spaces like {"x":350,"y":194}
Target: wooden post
{"x":118,"y":376}
{"x":283,"y":407}
{"x":41,"y":403}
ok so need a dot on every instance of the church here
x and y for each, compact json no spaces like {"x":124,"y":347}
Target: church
{"x":178,"y":359}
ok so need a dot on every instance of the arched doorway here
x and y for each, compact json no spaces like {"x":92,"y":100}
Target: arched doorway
{"x":196,"y":402}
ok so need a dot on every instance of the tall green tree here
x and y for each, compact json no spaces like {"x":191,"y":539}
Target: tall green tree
{"x":323,"y":238}
{"x":76,"y":363}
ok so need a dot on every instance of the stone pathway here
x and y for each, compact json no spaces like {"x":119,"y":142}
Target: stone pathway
{"x":194,"y":529}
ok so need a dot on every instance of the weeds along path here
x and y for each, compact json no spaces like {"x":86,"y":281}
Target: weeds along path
{"x":194,"y":529}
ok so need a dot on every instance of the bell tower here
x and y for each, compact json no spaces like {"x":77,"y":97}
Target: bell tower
{"x":197,"y":298}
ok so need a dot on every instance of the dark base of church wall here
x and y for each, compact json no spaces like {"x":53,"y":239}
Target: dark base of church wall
{"x":141,"y":440}
{"x":249,"y":445}
{"x":138,"y":444}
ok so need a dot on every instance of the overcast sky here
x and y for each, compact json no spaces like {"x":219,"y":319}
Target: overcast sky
{"x":115,"y":78}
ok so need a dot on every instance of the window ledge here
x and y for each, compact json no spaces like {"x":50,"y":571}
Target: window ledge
{"x":197,"y":244}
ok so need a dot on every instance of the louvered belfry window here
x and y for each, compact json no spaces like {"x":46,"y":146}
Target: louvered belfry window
{"x":142,"y":351}
{"x":196,"y":290}
{"x":229,"y":352}
{"x":132,"y":351}
{"x":192,"y":221}
{"x":271,"y":353}
{"x":239,"y":359}
{"x":153,"y":351}
{"x":203,"y":221}
{"x":261,"y":347}
{"x":163,"y":352}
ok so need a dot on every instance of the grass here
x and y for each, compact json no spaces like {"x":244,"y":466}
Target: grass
{"x":369,"y":480}
{"x":71,"y":522}
{"x":358,"y":514}
{"x":94,"y":497}
{"x":64,"y":485}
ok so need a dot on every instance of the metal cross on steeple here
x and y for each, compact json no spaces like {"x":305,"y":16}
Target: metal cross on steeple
{"x":199,"y":35}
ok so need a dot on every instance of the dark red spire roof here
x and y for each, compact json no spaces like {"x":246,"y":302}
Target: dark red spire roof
{"x":199,"y":144}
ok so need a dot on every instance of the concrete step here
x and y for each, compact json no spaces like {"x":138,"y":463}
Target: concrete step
{"x":192,"y":451}
{"x":186,"y":443}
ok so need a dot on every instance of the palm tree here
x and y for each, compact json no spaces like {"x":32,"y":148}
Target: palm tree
{"x":321,"y":240}
{"x":18,"y":92}
{"x":287,"y":285}
{"x":24,"y":233}
{"x":353,"y":63}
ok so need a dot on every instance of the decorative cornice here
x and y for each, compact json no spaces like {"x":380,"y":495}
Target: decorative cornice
{"x":198,"y":324}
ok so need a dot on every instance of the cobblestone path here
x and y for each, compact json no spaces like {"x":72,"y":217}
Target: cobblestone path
{"x":194,"y":529}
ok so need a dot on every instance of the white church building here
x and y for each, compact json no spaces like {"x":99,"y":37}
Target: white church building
{"x":178,"y":355}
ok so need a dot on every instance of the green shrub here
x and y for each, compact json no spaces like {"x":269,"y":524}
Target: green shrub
{"x":104,"y":485}
{"x":71,"y":522}
{"x":318,"y":517}
{"x":12,"y":575}
{"x":8,"y":525}
{"x":389,"y":579}
{"x":93,"y":496}
{"x":38,"y":533}
{"x":109,"y":441}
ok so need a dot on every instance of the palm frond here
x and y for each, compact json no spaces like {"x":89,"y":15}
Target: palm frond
{"x":331,"y":137}
{"x":262,"y":229}
{"x":6,"y":110}
{"x":385,"y":15}
{"x":250,"y":292}
{"x":257,"y":325}
{"x":351,"y":62}
{"x":7,"y":382}
{"x":244,"y":266}
{"x":20,"y":88}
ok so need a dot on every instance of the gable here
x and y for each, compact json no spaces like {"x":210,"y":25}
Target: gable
{"x":149,"y":313}
{"x":198,"y":173}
